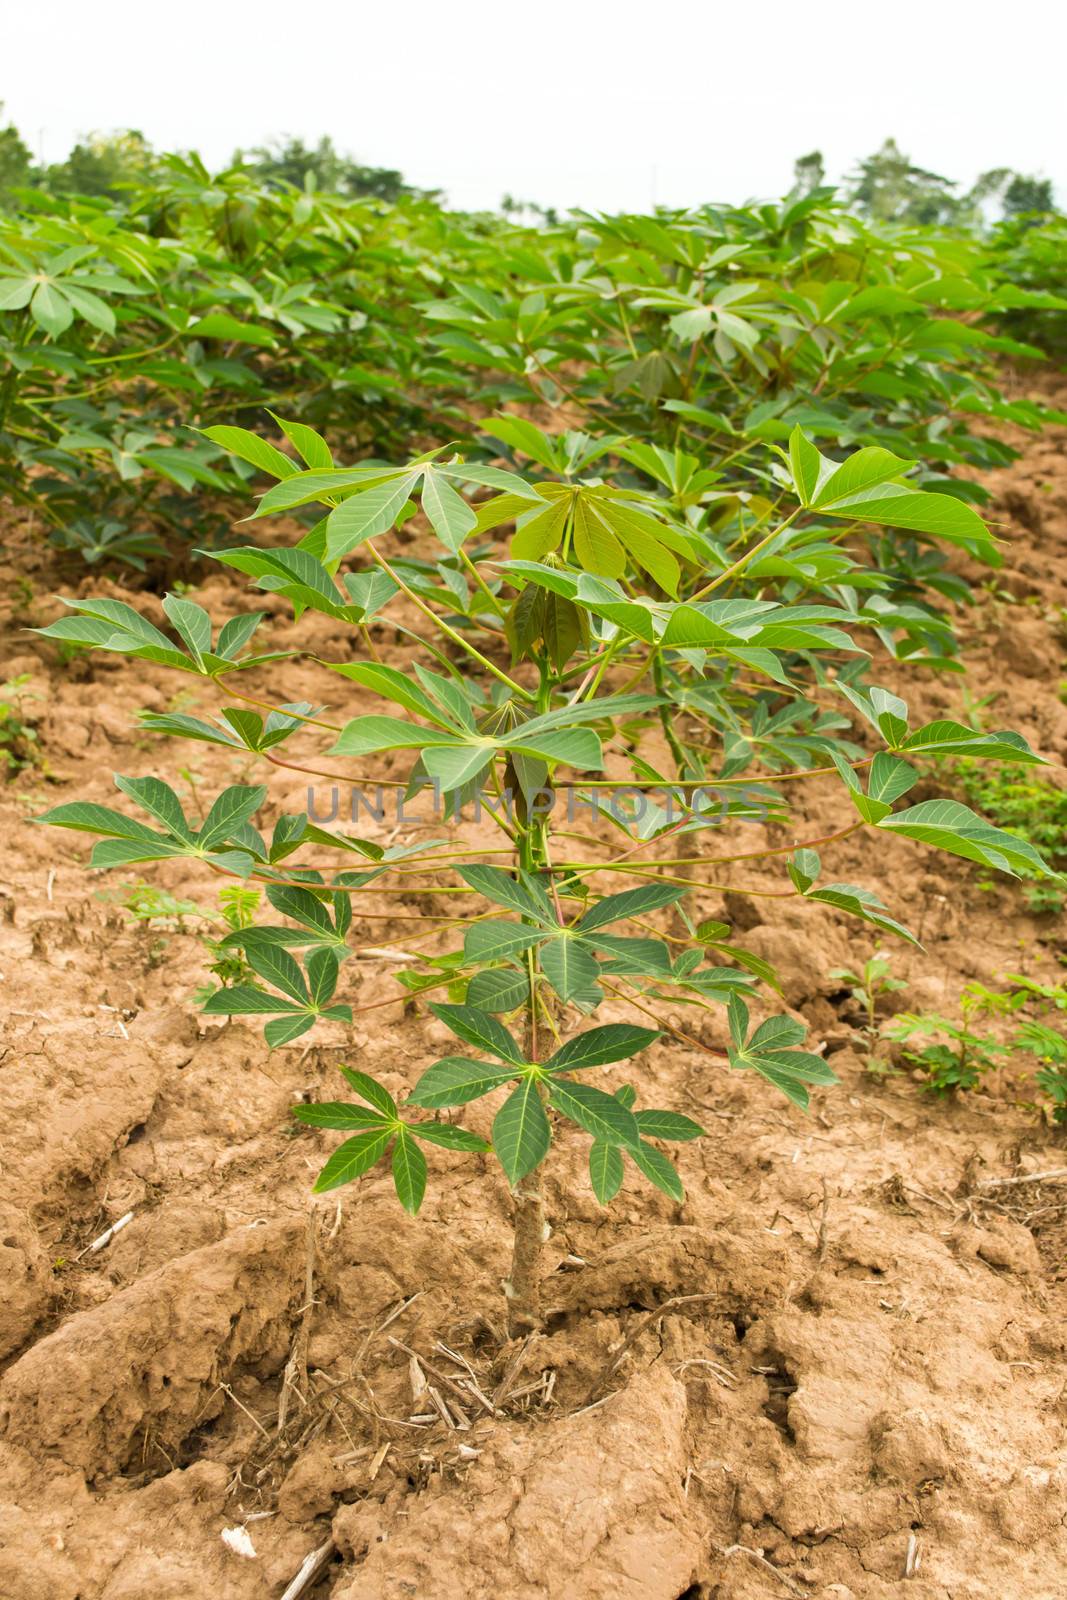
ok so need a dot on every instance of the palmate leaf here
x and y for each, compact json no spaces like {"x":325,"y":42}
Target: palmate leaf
{"x":611,"y":530}
{"x":769,"y":1053}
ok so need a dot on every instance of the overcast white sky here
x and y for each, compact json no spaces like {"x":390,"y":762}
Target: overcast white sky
{"x":604,"y":104}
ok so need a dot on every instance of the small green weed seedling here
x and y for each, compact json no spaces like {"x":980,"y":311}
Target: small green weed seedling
{"x":158,"y":908}
{"x":1031,"y":808}
{"x":967,"y":1055}
{"x":869,"y":986}
{"x":599,"y":655}
{"x":238,"y":905}
{"x":18,"y":734}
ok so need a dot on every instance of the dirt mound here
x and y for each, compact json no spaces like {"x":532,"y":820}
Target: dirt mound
{"x":838,"y":1370}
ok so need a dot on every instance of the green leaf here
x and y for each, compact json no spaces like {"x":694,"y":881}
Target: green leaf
{"x":605,"y":1170}
{"x":392,"y":685}
{"x":942,"y":516}
{"x":51,"y":310}
{"x":86,"y":817}
{"x":241,"y":1000}
{"x":362,"y":516}
{"x":159,"y":799}
{"x":521,"y":1132}
{"x":862,"y":903}
{"x":503,"y":889}
{"x":310,"y":446}
{"x":598,"y":1113}
{"x":250,"y":447}
{"x":365,"y":736}
{"x":805,"y":463}
{"x":502,"y":990}
{"x":737,"y":1016}
{"x":668,"y":1125}
{"x":233,"y":808}
{"x":284,"y":1029}
{"x":570,"y":967}
{"x":372,"y":1091}
{"x":337,"y":1114}
{"x":15,"y":292}
{"x":450,"y":516}
{"x":949,"y":825}
{"x":322,"y":970}
{"x":883,"y":711}
{"x":192,"y":624}
{"x":479,"y":1029}
{"x":456,"y":1080}
{"x":493,"y":941}
{"x":235,"y":633}
{"x":352,"y":1158}
{"x":409,"y":1172}
{"x":862,"y":471}
{"x":631,"y":903}
{"x":274,"y":964}
{"x":658,"y":1170}
{"x":953,"y":738}
{"x":220,"y":325}
{"x":574,"y":747}
{"x":448,"y":1136}
{"x":598,"y":1047}
{"x":457,"y":765}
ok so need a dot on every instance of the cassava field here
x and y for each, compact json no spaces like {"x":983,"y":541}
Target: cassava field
{"x":534,"y":801}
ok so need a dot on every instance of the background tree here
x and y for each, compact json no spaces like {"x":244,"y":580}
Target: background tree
{"x":100,"y":164}
{"x":15,"y":160}
{"x":1026,"y":194}
{"x":289,"y":160}
{"x":889,"y":187}
{"x":809,"y":173}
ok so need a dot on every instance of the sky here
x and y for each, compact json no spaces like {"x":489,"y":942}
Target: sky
{"x":603,"y":104}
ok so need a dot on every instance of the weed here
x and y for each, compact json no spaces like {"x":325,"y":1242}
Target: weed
{"x":19,"y":748}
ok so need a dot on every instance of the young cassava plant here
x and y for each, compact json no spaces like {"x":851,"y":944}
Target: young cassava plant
{"x":599,"y":655}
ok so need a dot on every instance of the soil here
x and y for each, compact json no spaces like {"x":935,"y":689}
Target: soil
{"x":855,"y":1385}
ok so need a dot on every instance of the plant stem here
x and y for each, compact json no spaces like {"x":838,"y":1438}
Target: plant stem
{"x":523,"y":1285}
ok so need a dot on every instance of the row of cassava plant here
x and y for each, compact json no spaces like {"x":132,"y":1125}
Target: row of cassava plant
{"x":567,"y":636}
{"x":696,"y":339}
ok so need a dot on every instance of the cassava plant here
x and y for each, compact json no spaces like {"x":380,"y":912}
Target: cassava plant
{"x":602,"y":653}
